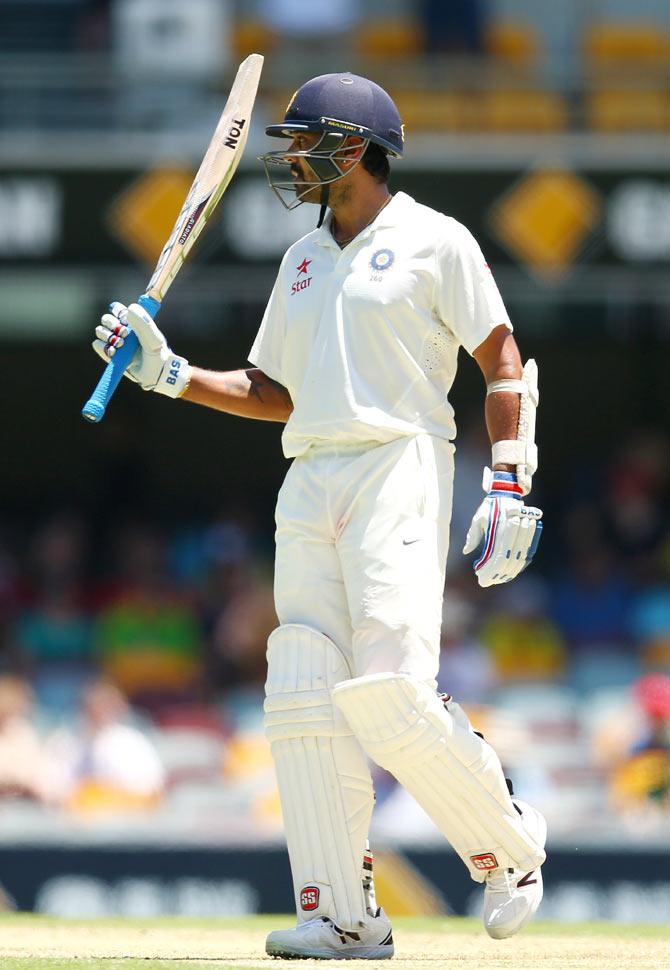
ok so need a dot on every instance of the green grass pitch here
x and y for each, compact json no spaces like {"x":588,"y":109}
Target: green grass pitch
{"x":29,"y":942}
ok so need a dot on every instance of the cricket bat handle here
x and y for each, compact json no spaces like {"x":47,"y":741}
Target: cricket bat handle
{"x":94,"y":409}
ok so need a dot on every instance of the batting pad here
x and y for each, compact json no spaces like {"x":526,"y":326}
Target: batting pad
{"x":324,"y":780}
{"x":454,"y":775}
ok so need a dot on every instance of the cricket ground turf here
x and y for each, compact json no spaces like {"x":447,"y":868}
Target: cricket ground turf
{"x":30,"y":942}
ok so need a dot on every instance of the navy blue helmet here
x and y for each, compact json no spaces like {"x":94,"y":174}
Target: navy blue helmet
{"x":344,"y":103}
{"x":336,"y":106}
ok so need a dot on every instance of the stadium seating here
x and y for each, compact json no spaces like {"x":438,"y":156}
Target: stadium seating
{"x":636,"y":46}
{"x":500,"y":111}
{"x":388,"y":39}
{"x":524,"y":111}
{"x":513,"y":43}
{"x":627,"y":109}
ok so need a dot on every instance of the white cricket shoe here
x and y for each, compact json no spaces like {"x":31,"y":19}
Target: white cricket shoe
{"x":511,"y":897}
{"x":322,"y":939}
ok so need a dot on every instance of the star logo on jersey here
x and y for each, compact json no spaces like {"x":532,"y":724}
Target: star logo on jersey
{"x":302,"y":282}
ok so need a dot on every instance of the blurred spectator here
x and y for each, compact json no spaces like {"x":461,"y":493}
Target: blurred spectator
{"x":22,"y":757}
{"x":58,"y":555}
{"x":103,"y":763}
{"x":637,"y":493}
{"x":592,"y":601}
{"x":650,"y":612}
{"x":523,"y":641}
{"x":644,"y":776}
{"x":147,"y":635}
{"x":240,"y":632}
{"x":92,"y":30}
{"x":455,"y":27}
{"x":235,"y":600}
{"x":198,"y":552}
{"x":51,"y":634}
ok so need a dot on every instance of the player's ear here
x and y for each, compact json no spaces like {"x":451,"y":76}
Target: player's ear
{"x":353,"y":146}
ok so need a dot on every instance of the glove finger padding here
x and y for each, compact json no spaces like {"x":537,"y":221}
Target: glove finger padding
{"x":518,"y":556}
{"x":506,"y":553}
{"x":111,"y":332}
{"x":119,"y":310}
{"x":112,"y":339}
{"x":511,"y":532}
{"x":114,"y":325}
{"x":534,"y":533}
{"x":100,"y":347}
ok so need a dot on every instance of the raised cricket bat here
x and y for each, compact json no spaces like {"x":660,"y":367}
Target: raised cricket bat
{"x":216,"y":170}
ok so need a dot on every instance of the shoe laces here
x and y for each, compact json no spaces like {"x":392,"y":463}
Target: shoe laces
{"x":344,"y":935}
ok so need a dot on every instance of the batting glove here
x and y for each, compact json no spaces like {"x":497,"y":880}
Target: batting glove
{"x":154,"y":367}
{"x":506,"y":531}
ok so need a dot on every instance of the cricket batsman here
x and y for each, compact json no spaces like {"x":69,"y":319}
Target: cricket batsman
{"x":355,"y":355}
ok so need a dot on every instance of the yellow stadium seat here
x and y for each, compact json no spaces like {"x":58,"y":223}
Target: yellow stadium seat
{"x":512,"y":42}
{"x":628,"y":110}
{"x":438,"y":111}
{"x":523,"y":111}
{"x":393,"y":38}
{"x":513,"y":111}
{"x":623,"y":45}
{"x":250,"y":36}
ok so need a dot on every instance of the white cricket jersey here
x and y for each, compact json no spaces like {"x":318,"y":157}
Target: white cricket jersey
{"x":365,"y":339}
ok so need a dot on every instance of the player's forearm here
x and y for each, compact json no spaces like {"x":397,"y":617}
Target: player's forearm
{"x":499,"y":360}
{"x":502,"y":418}
{"x":247,"y":393}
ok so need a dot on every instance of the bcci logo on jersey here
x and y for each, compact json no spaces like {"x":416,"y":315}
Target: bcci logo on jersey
{"x":382,"y":259}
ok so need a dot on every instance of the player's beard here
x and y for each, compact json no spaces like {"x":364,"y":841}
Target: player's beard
{"x":304,"y":176}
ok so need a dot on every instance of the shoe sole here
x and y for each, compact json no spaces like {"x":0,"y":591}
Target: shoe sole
{"x":385,"y":952}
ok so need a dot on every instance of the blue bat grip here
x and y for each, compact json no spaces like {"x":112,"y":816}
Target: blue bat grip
{"x":95,"y":407}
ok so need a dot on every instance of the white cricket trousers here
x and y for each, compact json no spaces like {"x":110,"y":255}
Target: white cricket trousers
{"x":362,"y":540}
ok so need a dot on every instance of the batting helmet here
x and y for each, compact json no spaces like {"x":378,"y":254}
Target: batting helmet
{"x":337,"y":106}
{"x":345,"y":104}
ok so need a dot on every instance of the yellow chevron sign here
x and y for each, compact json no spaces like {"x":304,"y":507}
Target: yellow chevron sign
{"x":545,"y":218}
{"x":143,"y":215}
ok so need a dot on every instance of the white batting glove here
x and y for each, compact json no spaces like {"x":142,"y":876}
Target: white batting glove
{"x":154,"y":367}
{"x":506,"y":531}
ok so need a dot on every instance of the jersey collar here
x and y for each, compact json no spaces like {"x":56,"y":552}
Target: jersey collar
{"x":388,"y":217}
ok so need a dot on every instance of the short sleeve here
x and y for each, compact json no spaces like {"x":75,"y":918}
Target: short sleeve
{"x":267,"y":350}
{"x":467,"y":299}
